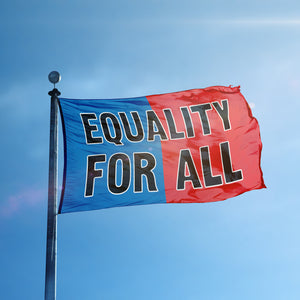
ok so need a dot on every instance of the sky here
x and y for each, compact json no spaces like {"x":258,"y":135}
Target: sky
{"x":247,"y":247}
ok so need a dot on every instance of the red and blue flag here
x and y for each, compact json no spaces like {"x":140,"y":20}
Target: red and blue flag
{"x":199,"y":145}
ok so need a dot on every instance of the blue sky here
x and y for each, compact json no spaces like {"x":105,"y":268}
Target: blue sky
{"x":246,"y":247}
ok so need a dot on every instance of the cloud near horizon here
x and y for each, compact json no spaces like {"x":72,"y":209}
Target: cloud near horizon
{"x":28,"y":197}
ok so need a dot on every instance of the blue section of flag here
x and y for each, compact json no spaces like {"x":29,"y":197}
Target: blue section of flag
{"x":77,"y":151}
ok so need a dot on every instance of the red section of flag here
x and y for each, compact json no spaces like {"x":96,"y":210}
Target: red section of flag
{"x":213,"y":141}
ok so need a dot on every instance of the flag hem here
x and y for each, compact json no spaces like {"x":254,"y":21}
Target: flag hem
{"x":65,"y":159}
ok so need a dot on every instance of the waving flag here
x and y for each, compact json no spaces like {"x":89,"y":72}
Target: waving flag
{"x":199,"y":145}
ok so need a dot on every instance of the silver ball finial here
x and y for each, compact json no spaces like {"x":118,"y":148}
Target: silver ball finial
{"x":54,"y":77}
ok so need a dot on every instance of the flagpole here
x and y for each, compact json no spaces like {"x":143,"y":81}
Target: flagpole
{"x":50,"y":279}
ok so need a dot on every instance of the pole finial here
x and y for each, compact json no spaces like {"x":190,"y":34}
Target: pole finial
{"x":54,"y":77}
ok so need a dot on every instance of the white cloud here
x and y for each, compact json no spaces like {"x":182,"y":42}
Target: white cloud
{"x":28,"y":197}
{"x":260,"y":22}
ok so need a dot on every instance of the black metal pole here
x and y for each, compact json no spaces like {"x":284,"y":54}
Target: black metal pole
{"x":50,"y":280}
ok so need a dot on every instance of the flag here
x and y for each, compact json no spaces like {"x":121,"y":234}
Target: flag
{"x":199,"y":145}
